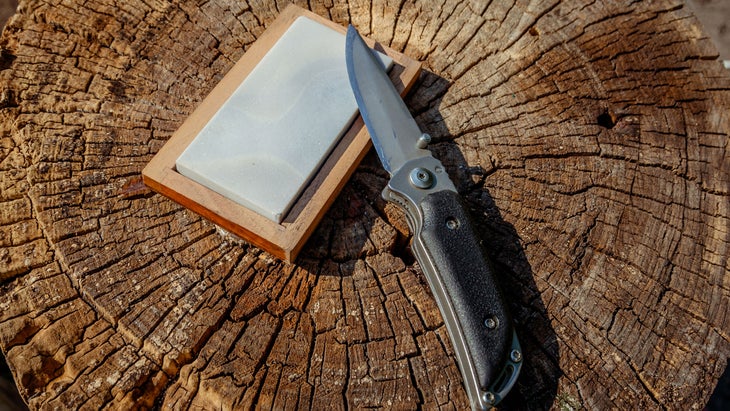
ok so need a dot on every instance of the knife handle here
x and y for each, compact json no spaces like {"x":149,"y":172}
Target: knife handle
{"x":468,"y":295}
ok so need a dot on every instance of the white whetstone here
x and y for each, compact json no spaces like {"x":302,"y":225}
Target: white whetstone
{"x":269,"y":138}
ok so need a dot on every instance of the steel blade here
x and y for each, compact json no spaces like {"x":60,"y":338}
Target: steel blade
{"x":393,"y":130}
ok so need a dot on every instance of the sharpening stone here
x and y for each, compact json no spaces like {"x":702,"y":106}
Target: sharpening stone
{"x":265,"y":143}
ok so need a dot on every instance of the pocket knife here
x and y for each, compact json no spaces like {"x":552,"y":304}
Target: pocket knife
{"x":445,"y":242}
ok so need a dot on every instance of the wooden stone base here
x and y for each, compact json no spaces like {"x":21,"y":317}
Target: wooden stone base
{"x":286,"y":238}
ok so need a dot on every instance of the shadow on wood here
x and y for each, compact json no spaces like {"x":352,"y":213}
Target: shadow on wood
{"x":350,"y":239}
{"x":10,"y":399}
{"x":538,"y":383}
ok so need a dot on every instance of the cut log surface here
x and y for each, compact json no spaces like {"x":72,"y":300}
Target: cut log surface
{"x":589,"y":139}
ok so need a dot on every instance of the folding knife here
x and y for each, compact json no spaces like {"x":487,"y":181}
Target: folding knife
{"x":444,"y":242}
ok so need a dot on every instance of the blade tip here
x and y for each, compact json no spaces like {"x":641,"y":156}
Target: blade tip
{"x":352,"y":35}
{"x":351,"y":31}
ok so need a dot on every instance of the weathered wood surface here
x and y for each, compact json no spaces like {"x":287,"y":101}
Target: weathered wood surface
{"x":590,"y":140}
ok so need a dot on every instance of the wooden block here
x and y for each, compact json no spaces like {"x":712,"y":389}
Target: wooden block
{"x":283,"y":238}
{"x":267,"y":141}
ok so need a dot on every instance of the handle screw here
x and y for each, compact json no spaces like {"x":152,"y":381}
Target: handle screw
{"x":452,"y":223}
{"x":491,"y":323}
{"x":515,"y":356}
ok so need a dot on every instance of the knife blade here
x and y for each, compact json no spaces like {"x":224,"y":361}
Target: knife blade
{"x":445,"y":242}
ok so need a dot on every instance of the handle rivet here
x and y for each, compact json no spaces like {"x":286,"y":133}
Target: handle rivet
{"x":489,"y":397}
{"x":423,"y":141}
{"x":491,"y":323}
{"x":421,"y":178}
{"x":515,"y":356}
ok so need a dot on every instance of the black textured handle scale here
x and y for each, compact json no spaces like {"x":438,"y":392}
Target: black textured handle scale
{"x":469,"y":284}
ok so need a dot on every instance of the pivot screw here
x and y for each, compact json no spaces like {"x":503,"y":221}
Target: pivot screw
{"x":489,"y":397}
{"x":515,"y":356}
{"x":423,"y":141}
{"x":421,"y":178}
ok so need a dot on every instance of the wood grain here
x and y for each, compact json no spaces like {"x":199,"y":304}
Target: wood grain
{"x":589,"y":140}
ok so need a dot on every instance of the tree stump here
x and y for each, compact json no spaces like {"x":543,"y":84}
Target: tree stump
{"x":589,"y":139}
